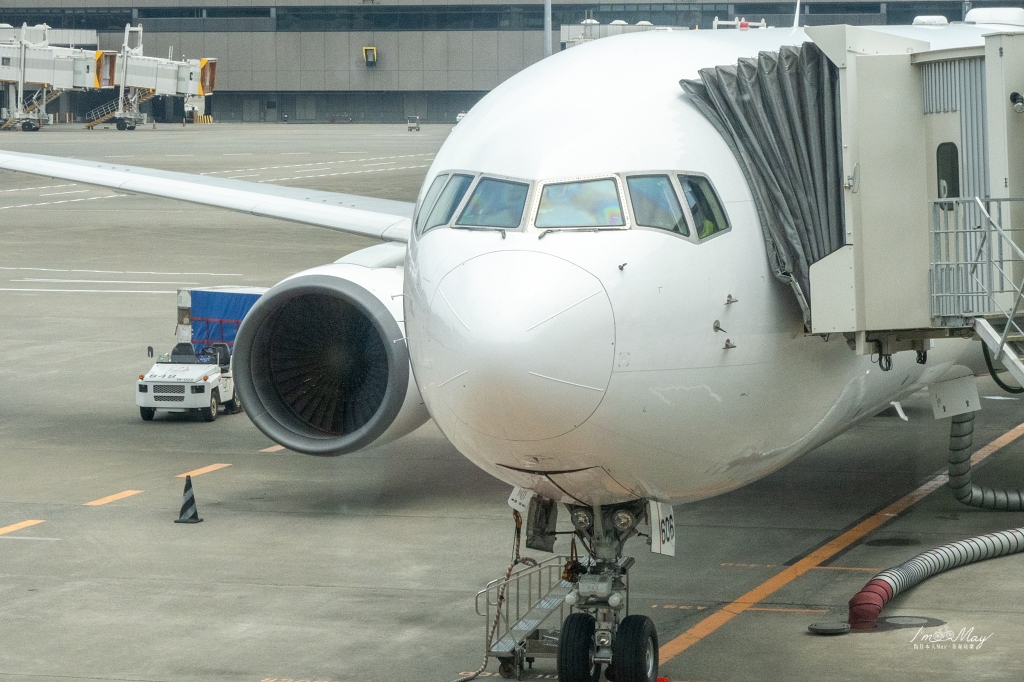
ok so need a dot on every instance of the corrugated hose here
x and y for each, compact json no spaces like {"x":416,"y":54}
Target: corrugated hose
{"x":867,"y":604}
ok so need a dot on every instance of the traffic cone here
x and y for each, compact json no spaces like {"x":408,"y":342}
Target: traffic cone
{"x":189,"y":513}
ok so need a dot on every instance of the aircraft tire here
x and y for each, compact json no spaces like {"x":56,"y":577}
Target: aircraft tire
{"x":210,"y":413}
{"x":147,"y":413}
{"x":576,"y":650}
{"x":635,"y":650}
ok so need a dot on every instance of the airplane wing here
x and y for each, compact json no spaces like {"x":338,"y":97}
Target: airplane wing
{"x":379,"y":218}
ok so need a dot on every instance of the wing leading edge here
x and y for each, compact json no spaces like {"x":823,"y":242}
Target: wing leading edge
{"x":379,"y":218}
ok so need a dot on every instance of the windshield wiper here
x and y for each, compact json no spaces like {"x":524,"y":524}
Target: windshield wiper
{"x":480,"y":229}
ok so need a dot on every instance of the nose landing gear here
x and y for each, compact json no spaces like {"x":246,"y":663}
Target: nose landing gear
{"x":600,"y":632}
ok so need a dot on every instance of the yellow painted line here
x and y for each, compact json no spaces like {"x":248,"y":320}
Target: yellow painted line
{"x":112,"y":498}
{"x":204,"y":470}
{"x":273,"y":448}
{"x":719,"y":618}
{"x":18,"y":526}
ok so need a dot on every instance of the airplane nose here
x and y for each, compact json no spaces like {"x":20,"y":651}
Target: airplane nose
{"x":521,"y":344}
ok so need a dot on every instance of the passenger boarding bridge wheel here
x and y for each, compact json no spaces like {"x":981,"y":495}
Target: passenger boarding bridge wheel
{"x":635,"y":650}
{"x":576,"y":649}
{"x":147,"y":413}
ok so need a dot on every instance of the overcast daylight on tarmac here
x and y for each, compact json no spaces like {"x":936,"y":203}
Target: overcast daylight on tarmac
{"x":365,"y":567}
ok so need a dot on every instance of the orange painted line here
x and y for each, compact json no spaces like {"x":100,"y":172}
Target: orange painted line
{"x":112,"y":498}
{"x":18,"y":526}
{"x":766,"y":608}
{"x":717,"y":619}
{"x":204,"y":470}
{"x":845,"y":568}
{"x":273,"y":448}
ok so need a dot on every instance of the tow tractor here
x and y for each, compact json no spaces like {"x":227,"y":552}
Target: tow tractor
{"x":186,"y":381}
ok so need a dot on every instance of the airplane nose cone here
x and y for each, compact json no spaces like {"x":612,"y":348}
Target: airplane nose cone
{"x":522,"y":344}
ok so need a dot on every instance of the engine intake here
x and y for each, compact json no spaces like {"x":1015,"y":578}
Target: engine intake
{"x":321,"y":363}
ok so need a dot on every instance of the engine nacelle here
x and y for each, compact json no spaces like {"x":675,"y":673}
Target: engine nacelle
{"x":321,"y":363}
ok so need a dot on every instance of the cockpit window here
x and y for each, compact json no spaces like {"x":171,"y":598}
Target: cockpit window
{"x":587,"y":203}
{"x":655,"y":203}
{"x":448,"y":201}
{"x":495,"y":203}
{"x":708,"y":216}
{"x":428,"y":200}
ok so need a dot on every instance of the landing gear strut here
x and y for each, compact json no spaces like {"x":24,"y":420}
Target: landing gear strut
{"x":599,"y":632}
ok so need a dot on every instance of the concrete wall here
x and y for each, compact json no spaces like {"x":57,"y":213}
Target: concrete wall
{"x":317,"y":62}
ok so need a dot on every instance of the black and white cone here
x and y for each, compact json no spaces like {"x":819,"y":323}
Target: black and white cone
{"x":189,"y":513}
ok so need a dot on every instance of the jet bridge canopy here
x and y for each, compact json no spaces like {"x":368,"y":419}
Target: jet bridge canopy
{"x":780,"y":115}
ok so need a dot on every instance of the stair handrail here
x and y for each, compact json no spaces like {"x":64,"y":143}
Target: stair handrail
{"x":1002,"y":234}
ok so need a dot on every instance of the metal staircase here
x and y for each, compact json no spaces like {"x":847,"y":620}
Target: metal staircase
{"x":531,"y":597}
{"x":38,"y":100}
{"x":111,"y":109}
{"x":977,"y":273}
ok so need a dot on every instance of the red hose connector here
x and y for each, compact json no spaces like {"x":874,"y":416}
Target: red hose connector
{"x":867,"y":604}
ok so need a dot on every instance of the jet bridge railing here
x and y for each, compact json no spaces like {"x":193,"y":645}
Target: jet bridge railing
{"x":977,"y":268}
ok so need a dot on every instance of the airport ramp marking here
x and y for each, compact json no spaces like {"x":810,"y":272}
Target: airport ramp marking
{"x":18,"y":526}
{"x":204,"y":470}
{"x":673,"y":648}
{"x":90,"y":291}
{"x":63,"y":201}
{"x":273,"y":448}
{"x":112,"y":498}
{"x":321,"y":163}
{"x":356,"y":172}
{"x":130,"y":272}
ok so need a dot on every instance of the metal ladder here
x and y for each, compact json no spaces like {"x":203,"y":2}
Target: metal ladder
{"x":977,"y":273}
{"x":526,"y":629}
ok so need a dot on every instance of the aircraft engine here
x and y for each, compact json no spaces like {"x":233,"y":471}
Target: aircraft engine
{"x":321,"y":363}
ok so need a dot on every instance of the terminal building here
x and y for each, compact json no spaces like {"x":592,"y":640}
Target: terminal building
{"x":372,"y":61}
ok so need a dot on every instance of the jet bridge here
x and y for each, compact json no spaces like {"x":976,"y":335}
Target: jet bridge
{"x":933,"y":179}
{"x":890,"y":183}
{"x":29,"y":62}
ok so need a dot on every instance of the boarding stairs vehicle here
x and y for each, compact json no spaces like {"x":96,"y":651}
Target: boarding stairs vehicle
{"x":33,"y":113}
{"x":124,"y":113}
{"x":190,"y":382}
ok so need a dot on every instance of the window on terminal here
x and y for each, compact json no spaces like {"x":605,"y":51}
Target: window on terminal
{"x":947,"y":166}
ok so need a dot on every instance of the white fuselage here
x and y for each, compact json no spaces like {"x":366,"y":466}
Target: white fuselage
{"x":585,"y":364}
